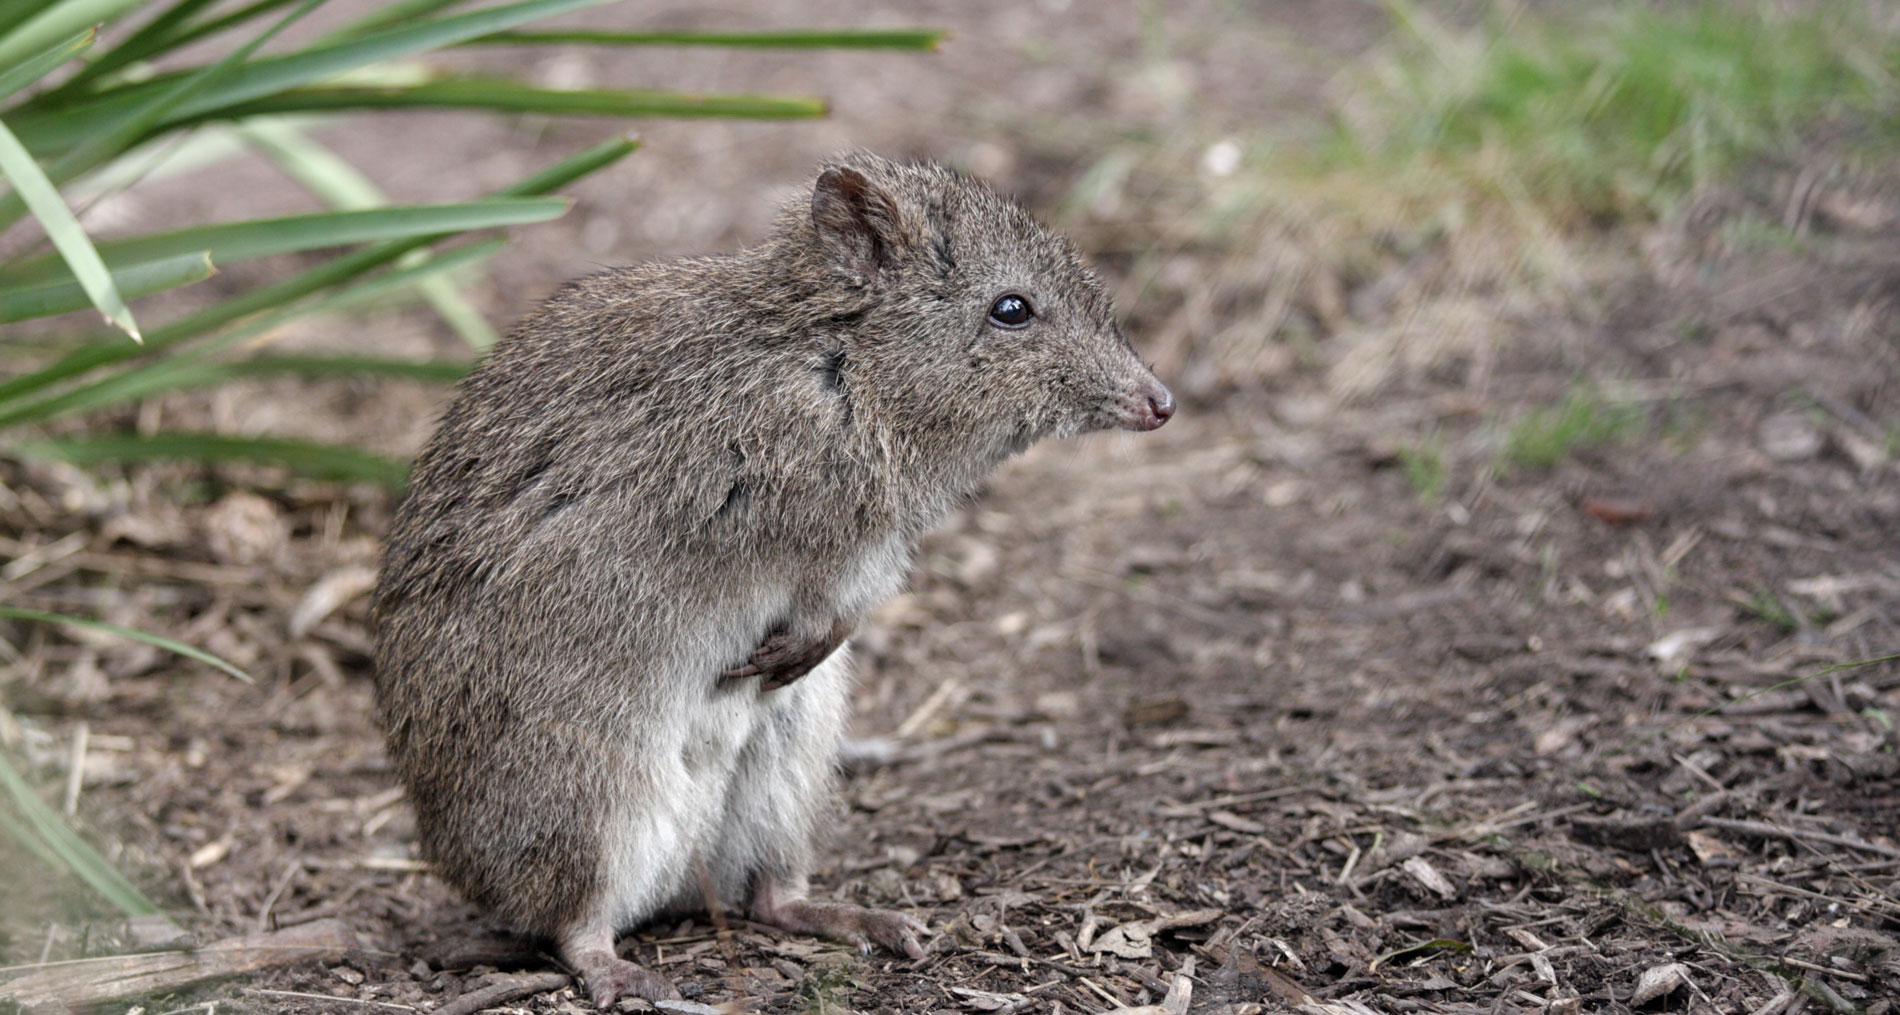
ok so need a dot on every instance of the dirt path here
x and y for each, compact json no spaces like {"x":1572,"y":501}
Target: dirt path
{"x":1319,"y":690}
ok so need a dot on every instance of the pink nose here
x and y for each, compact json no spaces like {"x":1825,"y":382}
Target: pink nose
{"x":1160,"y":407}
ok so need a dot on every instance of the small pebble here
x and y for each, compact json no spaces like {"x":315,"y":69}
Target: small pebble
{"x":1790,"y":437}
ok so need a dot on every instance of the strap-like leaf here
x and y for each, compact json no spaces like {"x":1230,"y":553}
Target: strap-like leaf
{"x":504,"y":95}
{"x":341,"y":185}
{"x":392,"y":12}
{"x":844,"y":38}
{"x":335,"y":272}
{"x":124,"y":125}
{"x":323,"y":461}
{"x":39,"y":65}
{"x":131,"y":633}
{"x":195,"y":367}
{"x":427,"y":371}
{"x":42,"y":830}
{"x":59,"y":129}
{"x":162,"y":32}
{"x":74,"y":247}
{"x":54,"y":22}
{"x":44,"y":299}
{"x":231,"y":242}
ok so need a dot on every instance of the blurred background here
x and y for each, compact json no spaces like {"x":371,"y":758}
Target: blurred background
{"x":1519,"y":578}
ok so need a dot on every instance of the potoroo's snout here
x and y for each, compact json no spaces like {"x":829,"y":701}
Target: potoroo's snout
{"x":1157,"y":407}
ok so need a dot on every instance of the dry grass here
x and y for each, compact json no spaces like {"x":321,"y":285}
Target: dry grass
{"x":1475,"y":178}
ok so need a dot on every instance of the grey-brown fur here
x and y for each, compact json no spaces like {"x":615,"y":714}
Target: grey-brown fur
{"x":659,"y":468}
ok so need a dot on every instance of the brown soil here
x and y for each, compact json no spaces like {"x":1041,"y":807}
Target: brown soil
{"x":1234,"y":702}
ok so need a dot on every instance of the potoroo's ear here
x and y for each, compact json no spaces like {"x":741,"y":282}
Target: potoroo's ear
{"x":856,"y":220}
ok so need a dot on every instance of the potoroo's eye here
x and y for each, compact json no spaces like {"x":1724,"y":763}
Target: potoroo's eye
{"x":1010,"y":311}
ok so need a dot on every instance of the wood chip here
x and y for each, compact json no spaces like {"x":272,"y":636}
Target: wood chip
{"x":1128,"y":941}
{"x":1659,"y":981}
{"x":1230,"y":820}
{"x":1180,"y":995}
{"x":1425,"y":874}
{"x":1190,"y":918}
{"x":983,"y":1000}
{"x":211,"y":852}
{"x":331,"y":593}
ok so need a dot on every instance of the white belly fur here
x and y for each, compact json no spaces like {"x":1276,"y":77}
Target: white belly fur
{"x":737,"y":793}
{"x":736,"y":778}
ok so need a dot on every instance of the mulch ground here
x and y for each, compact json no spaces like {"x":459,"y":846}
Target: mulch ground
{"x":1250,"y":714}
{"x":1232,"y":702}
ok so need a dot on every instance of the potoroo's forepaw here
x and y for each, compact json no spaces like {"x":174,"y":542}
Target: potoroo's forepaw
{"x":784,"y":657}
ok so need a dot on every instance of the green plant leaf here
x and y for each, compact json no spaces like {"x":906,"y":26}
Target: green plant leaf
{"x":195,"y":371}
{"x":393,"y":12}
{"x":168,"y":157}
{"x":222,"y":23}
{"x":61,"y":128}
{"x":844,"y":38}
{"x":131,"y":633}
{"x":54,"y":22}
{"x":47,"y":836}
{"x":504,"y":95}
{"x":74,"y":247}
{"x":430,"y":371}
{"x":339,"y":184}
{"x":1421,"y":948}
{"x":124,"y":127}
{"x":195,"y":367}
{"x":231,"y":242}
{"x":156,"y":35}
{"x":95,"y":354}
{"x":323,"y":461}
{"x":38,"y":66}
{"x":44,"y":299}
{"x":585,"y":162}
{"x":12,"y":12}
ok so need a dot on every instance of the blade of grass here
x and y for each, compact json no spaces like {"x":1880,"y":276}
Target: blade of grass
{"x":43,"y":823}
{"x":44,"y":299}
{"x":504,"y":95}
{"x":12,"y":12}
{"x":155,"y":36}
{"x":330,"y":177}
{"x":388,"y":14}
{"x":131,"y":633}
{"x":58,"y":21}
{"x":60,"y":129}
{"x":221,"y":23}
{"x":75,"y":248}
{"x":41,"y":64}
{"x":31,"y":842}
{"x":428,"y":371}
{"x":323,"y":461}
{"x":843,"y":38}
{"x":195,"y":367}
{"x":125,"y":124}
{"x":231,"y":242}
{"x":166,"y":157}
{"x":335,"y":272}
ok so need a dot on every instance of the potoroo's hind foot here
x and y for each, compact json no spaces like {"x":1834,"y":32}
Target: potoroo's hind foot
{"x":774,"y":903}
{"x":608,"y":976}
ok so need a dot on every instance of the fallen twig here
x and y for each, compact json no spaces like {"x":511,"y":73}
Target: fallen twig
{"x":333,"y":998}
{"x":504,"y":992}
{"x":1771,"y":831}
{"x":128,"y":976}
